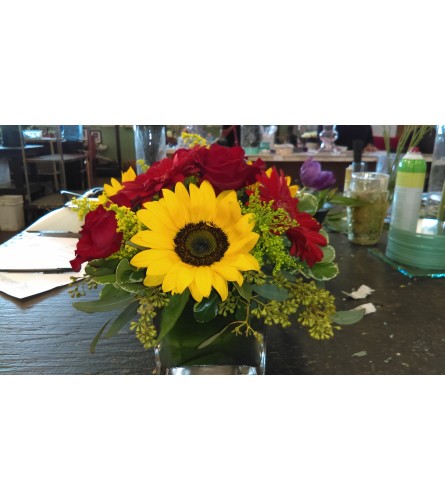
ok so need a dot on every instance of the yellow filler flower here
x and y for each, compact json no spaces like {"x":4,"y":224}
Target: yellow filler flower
{"x":195,"y":240}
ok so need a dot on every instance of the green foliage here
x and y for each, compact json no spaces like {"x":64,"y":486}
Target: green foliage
{"x":207,"y":309}
{"x":270,"y":223}
{"x":308,"y":202}
{"x":348,"y":317}
{"x":110,"y":299}
{"x":172,"y":311}
{"x":270,"y":291}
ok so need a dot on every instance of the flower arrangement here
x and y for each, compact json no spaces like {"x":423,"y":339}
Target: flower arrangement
{"x":211,"y":229}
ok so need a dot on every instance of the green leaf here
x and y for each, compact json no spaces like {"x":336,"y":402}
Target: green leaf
{"x":307,"y":203}
{"x":337,"y":222}
{"x":122,"y":319}
{"x":138,"y":276}
{"x":289,"y":276}
{"x":129,"y":278}
{"x":172,"y":311}
{"x":321,"y":271}
{"x":97,"y":337}
{"x":213,"y":337}
{"x":328,"y":254}
{"x":207,"y":309}
{"x":124,"y":271}
{"x":245,"y":290}
{"x":347,"y":201}
{"x":103,"y":280}
{"x":271,"y":292}
{"x":101,"y":267}
{"x":348,"y":317}
{"x":132,"y":287}
{"x":110,"y":298}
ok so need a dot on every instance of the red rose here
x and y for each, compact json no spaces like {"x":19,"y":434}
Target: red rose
{"x":98,"y":239}
{"x":226,"y":168}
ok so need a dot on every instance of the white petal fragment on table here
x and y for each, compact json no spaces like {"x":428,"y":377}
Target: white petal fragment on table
{"x":369,"y":308}
{"x":361,"y":293}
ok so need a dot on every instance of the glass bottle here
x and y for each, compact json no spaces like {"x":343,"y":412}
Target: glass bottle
{"x":251,"y":138}
{"x":407,"y":201}
{"x":437,"y":172}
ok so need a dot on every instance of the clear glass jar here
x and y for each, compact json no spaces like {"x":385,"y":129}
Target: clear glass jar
{"x":437,"y":173}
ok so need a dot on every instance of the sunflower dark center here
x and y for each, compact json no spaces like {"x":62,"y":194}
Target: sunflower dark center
{"x":201,"y":243}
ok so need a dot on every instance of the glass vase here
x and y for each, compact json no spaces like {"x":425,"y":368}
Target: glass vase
{"x":328,"y":136}
{"x":179,"y":352}
{"x":149,"y":143}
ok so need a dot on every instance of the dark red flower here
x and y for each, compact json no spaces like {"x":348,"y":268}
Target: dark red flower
{"x":275,"y":188}
{"x":305,"y":238}
{"x":227,"y":168}
{"x":162,"y":174}
{"x":98,"y":239}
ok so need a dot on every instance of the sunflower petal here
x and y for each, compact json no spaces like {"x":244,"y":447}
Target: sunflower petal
{"x":185,"y":276}
{"x":230,"y":273}
{"x":196,"y":294}
{"x":174,"y":208}
{"x":153,"y":280}
{"x":147,"y":257}
{"x":153,"y":239}
{"x":243,"y":262}
{"x":156,"y":217}
{"x":183,"y":197}
{"x":243,"y":244}
{"x":169,"y":282}
{"x":203,"y":280}
{"x":162,"y":266}
{"x":220,"y":285}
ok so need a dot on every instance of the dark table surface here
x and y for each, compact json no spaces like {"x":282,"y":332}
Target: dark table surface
{"x":406,"y":335}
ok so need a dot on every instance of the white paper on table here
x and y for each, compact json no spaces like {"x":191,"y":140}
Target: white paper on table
{"x":30,"y":251}
{"x":34,"y":252}
{"x":23,"y":285}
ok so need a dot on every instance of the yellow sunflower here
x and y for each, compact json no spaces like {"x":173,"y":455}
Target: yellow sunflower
{"x":195,"y":240}
{"x":116,"y":186}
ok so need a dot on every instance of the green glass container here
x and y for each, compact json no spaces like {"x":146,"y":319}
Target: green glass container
{"x":423,"y":249}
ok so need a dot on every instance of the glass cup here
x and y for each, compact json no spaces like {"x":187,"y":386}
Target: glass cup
{"x":365,"y":222}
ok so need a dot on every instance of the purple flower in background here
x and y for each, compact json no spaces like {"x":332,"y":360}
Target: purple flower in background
{"x":313,"y":177}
